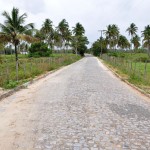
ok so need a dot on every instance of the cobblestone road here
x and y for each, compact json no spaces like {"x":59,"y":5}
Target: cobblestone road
{"x":81,"y":107}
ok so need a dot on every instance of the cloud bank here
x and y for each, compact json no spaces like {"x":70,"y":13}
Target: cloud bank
{"x":93,"y":14}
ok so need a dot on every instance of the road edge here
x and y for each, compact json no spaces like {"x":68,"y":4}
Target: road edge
{"x":25,"y":85}
{"x":124,"y":80}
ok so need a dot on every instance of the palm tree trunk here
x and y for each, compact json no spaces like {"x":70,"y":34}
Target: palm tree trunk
{"x":16,"y":54}
{"x":149,"y":48}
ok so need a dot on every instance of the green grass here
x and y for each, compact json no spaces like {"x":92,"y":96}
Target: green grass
{"x":30,"y":67}
{"x":132,"y":68}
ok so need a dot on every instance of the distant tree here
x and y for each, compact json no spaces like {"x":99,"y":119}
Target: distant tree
{"x":39,"y":49}
{"x":136,"y":41}
{"x":112,"y":34}
{"x":79,"y":40}
{"x":132,"y":30}
{"x":123,"y":42}
{"x":48,"y":32}
{"x":78,"y":30}
{"x":63,"y":31}
{"x":146,"y":40}
{"x":96,"y":47}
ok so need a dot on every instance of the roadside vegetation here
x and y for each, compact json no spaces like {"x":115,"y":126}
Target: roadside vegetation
{"x":26,"y":52}
{"x":30,"y":67}
{"x":129,"y":58}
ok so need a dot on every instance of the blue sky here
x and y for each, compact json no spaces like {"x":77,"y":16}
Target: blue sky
{"x":92,"y":14}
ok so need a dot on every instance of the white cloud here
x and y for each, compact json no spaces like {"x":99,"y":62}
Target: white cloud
{"x":93,"y":14}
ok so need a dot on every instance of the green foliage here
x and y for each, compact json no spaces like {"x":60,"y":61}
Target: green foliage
{"x":30,"y":67}
{"x":116,"y":54}
{"x":79,"y":40}
{"x":10,"y":84}
{"x":96,"y":47}
{"x":136,"y":72}
{"x":13,"y":30}
{"x":142,"y":59}
{"x":81,"y":49}
{"x":39,"y":50}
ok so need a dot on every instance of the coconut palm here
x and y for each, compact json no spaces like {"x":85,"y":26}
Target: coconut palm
{"x":146,"y":40}
{"x":63,"y":29}
{"x":123,"y":42}
{"x":108,"y":34}
{"x":79,"y":40}
{"x":136,"y":41}
{"x":48,"y":31}
{"x":115,"y":35}
{"x":78,"y":30}
{"x":57,"y":39}
{"x":132,"y":30}
{"x":13,"y":30}
{"x":112,"y":33}
{"x":68,"y":38}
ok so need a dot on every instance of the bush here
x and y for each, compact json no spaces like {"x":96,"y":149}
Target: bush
{"x":39,"y":50}
{"x":10,"y":84}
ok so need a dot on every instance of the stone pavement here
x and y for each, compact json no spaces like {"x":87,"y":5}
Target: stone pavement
{"x":85,"y":107}
{"x":96,"y":111}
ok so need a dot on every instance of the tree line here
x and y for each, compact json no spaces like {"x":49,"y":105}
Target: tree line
{"x":14,"y":31}
{"x":114,"y":40}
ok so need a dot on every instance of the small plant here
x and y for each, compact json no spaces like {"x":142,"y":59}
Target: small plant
{"x":10,"y":84}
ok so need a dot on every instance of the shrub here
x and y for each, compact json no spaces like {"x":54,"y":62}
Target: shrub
{"x":39,"y":50}
{"x":10,"y":84}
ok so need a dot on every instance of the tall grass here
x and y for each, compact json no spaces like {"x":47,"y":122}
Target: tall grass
{"x":133,"y":68}
{"x":30,"y":67}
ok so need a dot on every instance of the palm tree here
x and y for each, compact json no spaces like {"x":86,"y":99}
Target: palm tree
{"x":115,"y":35}
{"x":68,"y":38}
{"x":79,"y":40}
{"x":132,"y":30}
{"x":14,"y":29}
{"x":48,"y":31}
{"x":146,"y":35}
{"x":136,"y":41}
{"x":108,"y":34}
{"x":57,"y":39}
{"x":123,"y":42}
{"x":112,"y":34}
{"x":78,"y":30}
{"x":63,"y":29}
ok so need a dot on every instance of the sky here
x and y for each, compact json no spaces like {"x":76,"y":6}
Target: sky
{"x":94,"y":15}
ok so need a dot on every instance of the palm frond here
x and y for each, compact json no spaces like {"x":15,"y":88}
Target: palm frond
{"x":5,"y":29}
{"x":22,"y":18}
{"x":8,"y":18}
{"x":4,"y":38}
{"x":27,"y":38}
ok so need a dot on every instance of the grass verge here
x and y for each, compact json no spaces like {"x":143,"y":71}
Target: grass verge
{"x":29,"y":68}
{"x":134,"y":73}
